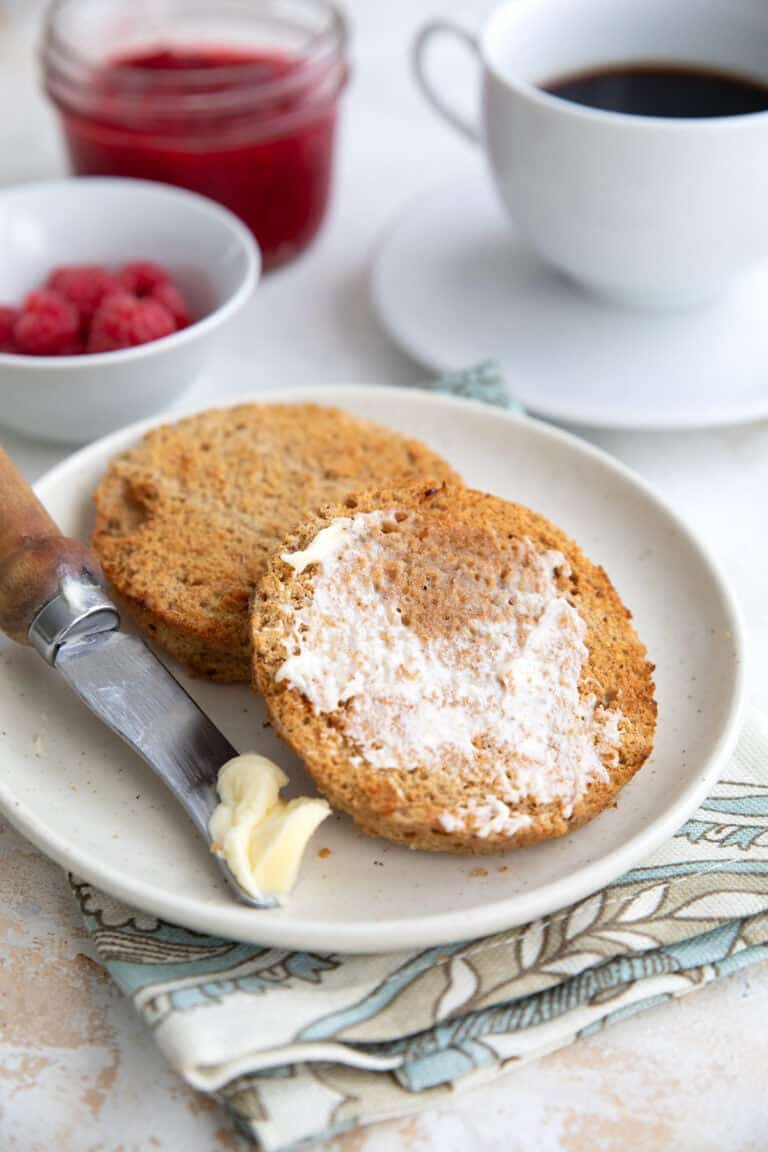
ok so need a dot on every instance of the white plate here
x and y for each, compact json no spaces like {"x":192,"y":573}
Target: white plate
{"x":72,"y":788}
{"x":452,"y":285}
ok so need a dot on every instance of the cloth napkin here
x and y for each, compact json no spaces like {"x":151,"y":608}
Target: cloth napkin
{"x":300,"y":1046}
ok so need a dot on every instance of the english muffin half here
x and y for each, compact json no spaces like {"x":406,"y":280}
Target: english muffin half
{"x":186,"y":519}
{"x":452,"y":669}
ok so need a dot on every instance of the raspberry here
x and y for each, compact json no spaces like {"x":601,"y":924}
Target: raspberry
{"x":8,"y":318}
{"x":170,"y":297}
{"x":123,"y":321}
{"x":142,"y":277}
{"x":48,"y":325}
{"x":85,"y":286}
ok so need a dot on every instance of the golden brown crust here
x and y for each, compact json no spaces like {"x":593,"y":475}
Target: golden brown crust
{"x":403,"y":803}
{"x":186,"y":519}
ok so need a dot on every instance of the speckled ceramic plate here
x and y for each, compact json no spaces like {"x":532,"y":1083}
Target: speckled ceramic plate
{"x":75,"y":791}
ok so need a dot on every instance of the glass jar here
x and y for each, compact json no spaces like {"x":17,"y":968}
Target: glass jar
{"x":235,"y":99}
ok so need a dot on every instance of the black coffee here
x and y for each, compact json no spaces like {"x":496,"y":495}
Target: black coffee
{"x":675,"y":90}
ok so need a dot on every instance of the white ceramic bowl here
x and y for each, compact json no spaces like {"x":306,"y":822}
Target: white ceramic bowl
{"x":212,"y":256}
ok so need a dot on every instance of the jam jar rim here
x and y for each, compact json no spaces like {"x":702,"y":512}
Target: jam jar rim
{"x":321,"y":69}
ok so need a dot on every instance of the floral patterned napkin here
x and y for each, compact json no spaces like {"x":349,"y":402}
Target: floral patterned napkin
{"x":299,"y":1046}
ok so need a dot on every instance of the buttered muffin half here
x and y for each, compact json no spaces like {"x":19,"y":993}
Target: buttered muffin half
{"x":454,"y":672}
{"x":187,"y":518}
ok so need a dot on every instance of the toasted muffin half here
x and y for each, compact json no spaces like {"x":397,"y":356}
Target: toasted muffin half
{"x":186,"y":519}
{"x":452,"y":669}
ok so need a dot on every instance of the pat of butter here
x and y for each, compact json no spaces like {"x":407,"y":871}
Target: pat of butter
{"x":322,"y":547}
{"x":261,"y":837}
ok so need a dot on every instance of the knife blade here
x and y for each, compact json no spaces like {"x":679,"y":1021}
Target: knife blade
{"x":126,"y":686}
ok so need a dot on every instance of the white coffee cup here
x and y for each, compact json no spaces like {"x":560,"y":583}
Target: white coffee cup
{"x":655,"y":211}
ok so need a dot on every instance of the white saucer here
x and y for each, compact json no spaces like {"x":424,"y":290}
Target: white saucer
{"x":79,"y":794}
{"x":453,"y":285}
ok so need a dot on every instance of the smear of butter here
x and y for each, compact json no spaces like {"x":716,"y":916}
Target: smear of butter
{"x":509,"y":680}
{"x":261,"y":837}
{"x":325,"y":544}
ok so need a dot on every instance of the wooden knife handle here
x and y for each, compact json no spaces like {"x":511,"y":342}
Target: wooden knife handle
{"x":34,"y":556}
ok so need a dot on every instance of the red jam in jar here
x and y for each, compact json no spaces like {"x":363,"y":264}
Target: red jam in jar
{"x":249,"y":126}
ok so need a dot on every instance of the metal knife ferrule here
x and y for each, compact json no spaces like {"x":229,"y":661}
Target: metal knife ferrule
{"x":81,"y":608}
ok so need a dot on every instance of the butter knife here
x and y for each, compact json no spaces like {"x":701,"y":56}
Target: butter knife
{"x":53,"y":599}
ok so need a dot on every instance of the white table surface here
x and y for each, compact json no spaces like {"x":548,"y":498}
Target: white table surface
{"x":78,"y":1073}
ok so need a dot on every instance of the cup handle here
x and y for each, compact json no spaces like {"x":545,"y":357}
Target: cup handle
{"x":461,"y":30}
